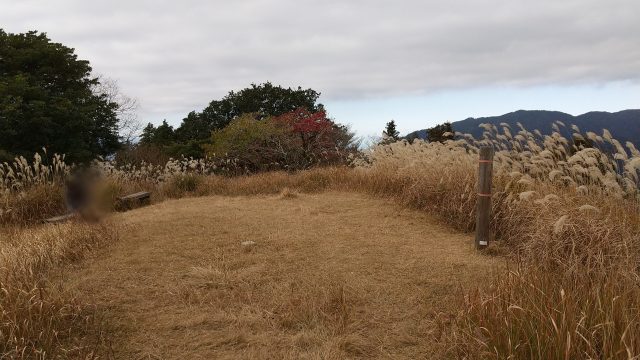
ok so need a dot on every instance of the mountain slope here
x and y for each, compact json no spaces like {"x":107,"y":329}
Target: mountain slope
{"x":624,"y":125}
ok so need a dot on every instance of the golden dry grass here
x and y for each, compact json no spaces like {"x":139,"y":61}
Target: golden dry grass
{"x":566,"y":214}
{"x":331,"y":276}
{"x":39,"y":319}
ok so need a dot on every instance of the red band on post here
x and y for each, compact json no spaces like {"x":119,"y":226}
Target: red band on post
{"x":485,"y":195}
{"x":485,"y":161}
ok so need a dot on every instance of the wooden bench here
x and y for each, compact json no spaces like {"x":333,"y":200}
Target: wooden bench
{"x":60,"y":219}
{"x":128,"y":201}
{"x":140,"y":196}
{"x":124,"y":203}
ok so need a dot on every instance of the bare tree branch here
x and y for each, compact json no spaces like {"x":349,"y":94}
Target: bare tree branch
{"x":129,"y":126}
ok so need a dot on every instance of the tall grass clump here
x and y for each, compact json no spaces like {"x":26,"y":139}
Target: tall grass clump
{"x":31,"y":190}
{"x":21,"y":174}
{"x":38,"y":319}
{"x":567,"y":212}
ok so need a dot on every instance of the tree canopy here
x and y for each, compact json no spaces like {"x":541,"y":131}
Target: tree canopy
{"x":261,"y":100}
{"x":440,"y":133}
{"x":162,"y":135}
{"x":295,"y":140}
{"x":47,"y":99}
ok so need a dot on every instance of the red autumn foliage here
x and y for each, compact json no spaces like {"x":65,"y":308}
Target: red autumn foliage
{"x":297,"y":140}
{"x":320,"y":136}
{"x":303,"y":121}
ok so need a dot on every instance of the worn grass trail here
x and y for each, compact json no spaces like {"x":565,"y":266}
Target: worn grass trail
{"x":332,"y":275}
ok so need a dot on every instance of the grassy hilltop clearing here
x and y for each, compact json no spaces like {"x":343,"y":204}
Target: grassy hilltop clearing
{"x":326,"y":261}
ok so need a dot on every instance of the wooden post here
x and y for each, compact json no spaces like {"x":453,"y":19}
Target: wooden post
{"x":483,"y":212}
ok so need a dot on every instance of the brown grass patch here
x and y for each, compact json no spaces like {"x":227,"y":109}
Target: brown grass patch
{"x":331,"y":275}
{"x":287,"y":193}
{"x":39,"y":319}
{"x":32,"y":205}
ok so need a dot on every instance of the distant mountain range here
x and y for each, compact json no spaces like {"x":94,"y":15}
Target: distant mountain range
{"x":623,"y":125}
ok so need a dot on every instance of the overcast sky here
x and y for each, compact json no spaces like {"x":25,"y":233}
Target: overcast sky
{"x":419,"y":62}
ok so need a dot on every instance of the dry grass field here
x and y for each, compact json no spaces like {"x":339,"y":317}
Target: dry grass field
{"x":331,"y":276}
{"x":347,"y":261}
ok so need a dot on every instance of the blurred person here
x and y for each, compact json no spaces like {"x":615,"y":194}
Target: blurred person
{"x":79,"y":194}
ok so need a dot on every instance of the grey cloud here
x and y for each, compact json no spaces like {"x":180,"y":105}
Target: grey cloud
{"x":176,"y":56}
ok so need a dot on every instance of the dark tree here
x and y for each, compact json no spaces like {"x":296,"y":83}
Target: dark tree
{"x":166,"y":141}
{"x":147,"y":134}
{"x":162,"y":135}
{"x":263,"y":100}
{"x":193,"y":127}
{"x":47,"y":100}
{"x":440,"y":133}
{"x":390,"y":133}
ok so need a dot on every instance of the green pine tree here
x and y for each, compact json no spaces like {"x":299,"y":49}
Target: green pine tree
{"x":390,"y":133}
